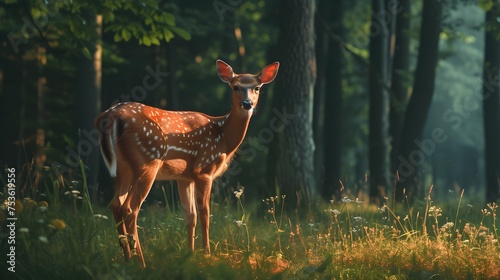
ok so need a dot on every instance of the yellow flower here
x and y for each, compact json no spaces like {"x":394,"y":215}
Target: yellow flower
{"x":58,"y":224}
{"x":43,"y":204}
{"x":19,"y":206}
{"x":30,"y":204}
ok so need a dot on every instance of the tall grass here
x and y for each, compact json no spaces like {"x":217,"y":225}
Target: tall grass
{"x":61,"y":234}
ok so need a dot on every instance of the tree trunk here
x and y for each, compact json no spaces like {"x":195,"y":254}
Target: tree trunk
{"x":40,"y":156}
{"x":333,"y":110}
{"x":88,"y":103}
{"x":292,"y":151}
{"x":322,"y":52}
{"x":411,"y":155}
{"x":400,"y":83}
{"x":378,"y":151}
{"x":491,"y":104}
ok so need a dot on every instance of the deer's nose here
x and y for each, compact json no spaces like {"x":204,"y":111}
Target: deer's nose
{"x":246,"y":104}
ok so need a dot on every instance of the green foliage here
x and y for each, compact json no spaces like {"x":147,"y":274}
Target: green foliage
{"x":486,"y":5}
{"x":71,"y":25}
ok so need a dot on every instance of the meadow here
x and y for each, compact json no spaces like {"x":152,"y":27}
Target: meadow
{"x":60,"y":234}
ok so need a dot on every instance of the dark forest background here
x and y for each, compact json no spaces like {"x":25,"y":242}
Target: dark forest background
{"x":373,"y":98}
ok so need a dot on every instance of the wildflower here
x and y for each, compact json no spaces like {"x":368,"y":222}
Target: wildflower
{"x":240,"y":223}
{"x":58,"y":224}
{"x":101,"y":216}
{"x":24,"y":230}
{"x":43,"y":239}
{"x":357,"y":219}
{"x":334,"y":211}
{"x":19,"y":206}
{"x":435,"y":211}
{"x":492,"y":206}
{"x":238,"y":193}
{"x":345,"y":199}
{"x":30,"y":203}
{"x":43,"y":204}
{"x":448,"y":225}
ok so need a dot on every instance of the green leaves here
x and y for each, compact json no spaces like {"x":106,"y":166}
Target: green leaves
{"x":486,"y":5}
{"x":181,"y":32}
{"x":72,"y":23}
{"x":150,"y":25}
{"x":126,"y":35}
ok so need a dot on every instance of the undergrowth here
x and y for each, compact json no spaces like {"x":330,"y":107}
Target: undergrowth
{"x":60,"y":234}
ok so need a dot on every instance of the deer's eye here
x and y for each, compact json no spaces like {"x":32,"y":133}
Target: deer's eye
{"x":236,"y":88}
{"x":257,"y":89}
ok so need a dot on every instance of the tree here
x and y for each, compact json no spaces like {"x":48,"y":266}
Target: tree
{"x":411,"y":157}
{"x":88,"y":96}
{"x":491,"y":102}
{"x":378,"y":144}
{"x":399,"y":79}
{"x":333,"y":107}
{"x":291,"y":154}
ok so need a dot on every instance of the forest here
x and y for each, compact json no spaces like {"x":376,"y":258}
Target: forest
{"x":381,"y":98}
{"x":380,"y":110}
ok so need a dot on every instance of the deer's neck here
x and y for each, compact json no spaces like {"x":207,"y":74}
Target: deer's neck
{"x":235,"y":128}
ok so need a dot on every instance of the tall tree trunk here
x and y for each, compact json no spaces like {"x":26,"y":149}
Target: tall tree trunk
{"x":400,"y":83}
{"x":391,"y":11}
{"x":88,"y":103}
{"x":378,"y":151}
{"x":292,"y":151}
{"x":94,"y":160}
{"x":40,"y":130}
{"x":411,"y":156}
{"x":333,"y":110}
{"x":491,"y":103}
{"x":322,"y":53}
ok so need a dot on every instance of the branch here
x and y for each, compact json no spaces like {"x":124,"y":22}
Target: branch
{"x":27,"y":6}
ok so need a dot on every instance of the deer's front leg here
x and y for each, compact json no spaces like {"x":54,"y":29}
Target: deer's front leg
{"x":202,"y":193}
{"x":186,"y":194}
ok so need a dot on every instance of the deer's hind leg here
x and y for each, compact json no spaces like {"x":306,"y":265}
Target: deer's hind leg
{"x":141,"y":185}
{"x":122,"y":185}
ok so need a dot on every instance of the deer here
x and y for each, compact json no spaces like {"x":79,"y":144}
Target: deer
{"x":142,"y":144}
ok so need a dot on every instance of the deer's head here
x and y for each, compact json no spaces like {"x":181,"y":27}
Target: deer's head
{"x":246,"y":87}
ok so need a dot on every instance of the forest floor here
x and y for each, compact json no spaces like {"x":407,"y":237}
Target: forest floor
{"x":64,"y":236}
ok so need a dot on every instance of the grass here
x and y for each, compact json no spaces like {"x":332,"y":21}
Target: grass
{"x":61,"y":235}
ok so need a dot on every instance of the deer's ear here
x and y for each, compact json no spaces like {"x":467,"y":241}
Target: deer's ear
{"x":224,"y":71}
{"x":269,"y":72}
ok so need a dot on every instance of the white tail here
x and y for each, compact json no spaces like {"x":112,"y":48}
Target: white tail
{"x":141,"y":144}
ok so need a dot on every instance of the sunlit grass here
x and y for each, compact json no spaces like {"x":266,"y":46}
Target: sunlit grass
{"x":62,"y":235}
